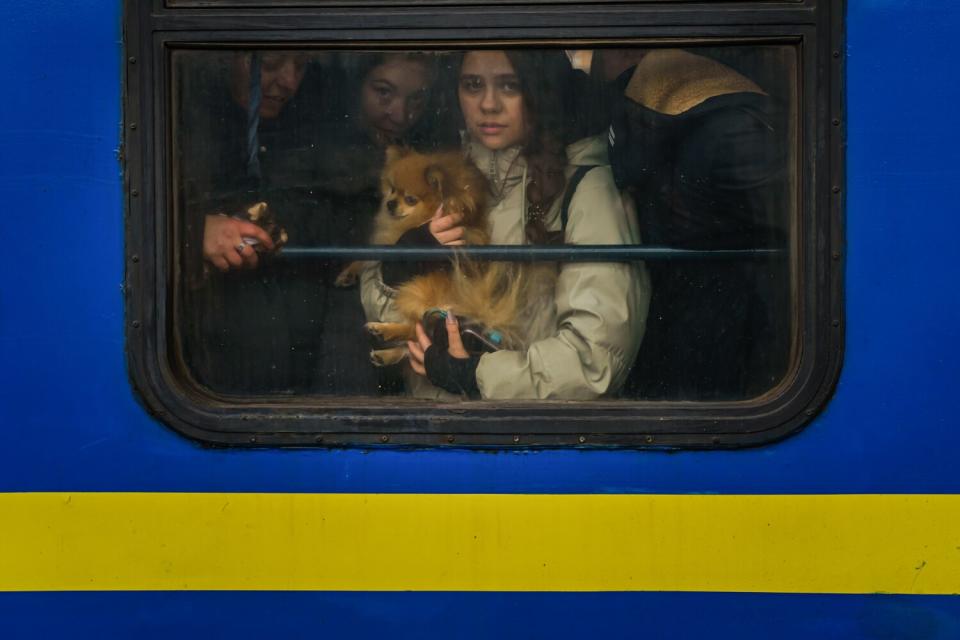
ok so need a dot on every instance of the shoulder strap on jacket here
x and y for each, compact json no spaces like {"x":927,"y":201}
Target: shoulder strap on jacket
{"x":568,"y":194}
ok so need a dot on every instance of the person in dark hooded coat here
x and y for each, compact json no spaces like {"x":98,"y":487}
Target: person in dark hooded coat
{"x":702,"y":150}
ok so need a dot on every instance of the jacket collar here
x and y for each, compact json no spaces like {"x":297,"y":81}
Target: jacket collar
{"x":504,"y":169}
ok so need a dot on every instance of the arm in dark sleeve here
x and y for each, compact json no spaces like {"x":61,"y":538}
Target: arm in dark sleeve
{"x":396,"y":273}
{"x":730,"y":180}
{"x":206,"y":182}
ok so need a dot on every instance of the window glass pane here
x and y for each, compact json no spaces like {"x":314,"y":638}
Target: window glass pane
{"x":322,"y":3}
{"x":311,"y":151}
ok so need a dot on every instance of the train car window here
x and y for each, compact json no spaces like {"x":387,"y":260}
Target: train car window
{"x":328,"y":3}
{"x":569,"y":238}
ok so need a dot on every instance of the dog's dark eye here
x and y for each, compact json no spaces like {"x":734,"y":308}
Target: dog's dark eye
{"x":410,"y":200}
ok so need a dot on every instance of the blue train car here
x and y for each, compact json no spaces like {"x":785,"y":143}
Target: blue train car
{"x":119,"y":521}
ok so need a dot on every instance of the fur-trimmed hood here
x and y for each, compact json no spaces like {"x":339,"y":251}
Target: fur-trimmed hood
{"x":672,"y":81}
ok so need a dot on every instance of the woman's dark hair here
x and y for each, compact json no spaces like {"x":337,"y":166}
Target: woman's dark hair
{"x":547,"y":83}
{"x":358,"y":65}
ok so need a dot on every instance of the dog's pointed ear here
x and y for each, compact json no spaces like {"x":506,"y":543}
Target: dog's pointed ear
{"x":395,"y":152}
{"x":436,"y":177}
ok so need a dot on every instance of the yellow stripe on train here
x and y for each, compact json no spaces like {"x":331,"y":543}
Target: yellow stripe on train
{"x":776,"y":543}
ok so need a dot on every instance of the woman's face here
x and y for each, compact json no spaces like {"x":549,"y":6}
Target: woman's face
{"x":491,"y":100}
{"x":393,"y":97}
{"x":280,"y":77}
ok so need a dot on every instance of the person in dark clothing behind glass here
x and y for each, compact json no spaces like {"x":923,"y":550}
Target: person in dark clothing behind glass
{"x":387,"y":98}
{"x":247,"y":130}
{"x":702,"y":150}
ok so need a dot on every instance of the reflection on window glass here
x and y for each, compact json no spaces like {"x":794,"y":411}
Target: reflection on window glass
{"x":689,"y":149}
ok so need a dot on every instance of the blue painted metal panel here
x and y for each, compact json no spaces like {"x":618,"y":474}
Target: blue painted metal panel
{"x":70,"y":422}
{"x":530,"y":616}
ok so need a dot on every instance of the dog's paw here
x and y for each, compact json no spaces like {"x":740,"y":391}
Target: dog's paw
{"x":347,"y":278}
{"x":373,"y":328}
{"x":387,"y":357}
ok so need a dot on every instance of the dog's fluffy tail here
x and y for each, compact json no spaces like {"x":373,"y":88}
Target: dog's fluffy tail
{"x":505,"y":296}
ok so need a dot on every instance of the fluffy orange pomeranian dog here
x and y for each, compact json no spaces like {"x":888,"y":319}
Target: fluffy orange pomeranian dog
{"x":414,"y":186}
{"x":495,"y":295}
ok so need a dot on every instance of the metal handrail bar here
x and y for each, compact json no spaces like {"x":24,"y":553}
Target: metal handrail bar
{"x":524,"y":253}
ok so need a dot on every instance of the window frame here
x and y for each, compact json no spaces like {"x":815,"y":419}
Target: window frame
{"x":151,"y":35}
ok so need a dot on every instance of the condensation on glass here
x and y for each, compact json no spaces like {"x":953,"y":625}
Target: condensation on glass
{"x":309,"y":151}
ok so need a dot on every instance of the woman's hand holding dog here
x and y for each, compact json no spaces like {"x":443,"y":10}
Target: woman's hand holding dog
{"x":224,"y":246}
{"x":447,"y":228}
{"x":454,"y":370}
{"x":419,"y":348}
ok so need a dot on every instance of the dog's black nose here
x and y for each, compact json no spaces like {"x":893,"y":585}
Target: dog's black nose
{"x":391,"y":205}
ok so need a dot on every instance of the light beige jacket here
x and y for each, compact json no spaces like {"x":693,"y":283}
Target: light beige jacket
{"x":583,"y":346}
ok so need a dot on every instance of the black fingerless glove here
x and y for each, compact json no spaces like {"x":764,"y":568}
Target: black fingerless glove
{"x":456,"y":375}
{"x":396,"y":273}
